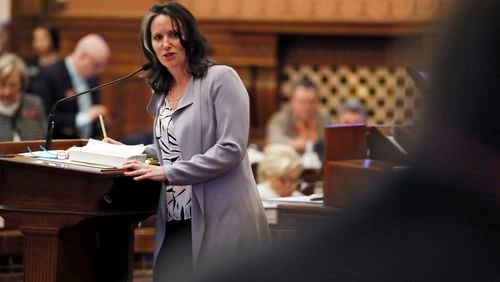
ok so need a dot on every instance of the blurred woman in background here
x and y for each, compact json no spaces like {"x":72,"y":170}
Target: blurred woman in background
{"x":45,"y":43}
{"x":21,"y":115}
{"x":279,"y":172}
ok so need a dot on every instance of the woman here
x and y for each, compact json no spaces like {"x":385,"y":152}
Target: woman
{"x":201,"y":129}
{"x":45,"y":43}
{"x":21,"y":115}
{"x":279,"y":172}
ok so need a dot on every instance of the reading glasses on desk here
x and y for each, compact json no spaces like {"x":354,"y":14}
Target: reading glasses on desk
{"x":61,"y":155}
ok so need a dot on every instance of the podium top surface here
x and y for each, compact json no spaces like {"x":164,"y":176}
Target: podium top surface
{"x":10,"y":156}
{"x":25,"y":161}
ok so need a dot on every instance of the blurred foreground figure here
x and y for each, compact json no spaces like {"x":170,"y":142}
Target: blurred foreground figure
{"x":439,"y":221}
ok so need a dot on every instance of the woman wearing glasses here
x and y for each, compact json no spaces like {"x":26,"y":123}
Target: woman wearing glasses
{"x":279,"y":172}
{"x":21,"y":115}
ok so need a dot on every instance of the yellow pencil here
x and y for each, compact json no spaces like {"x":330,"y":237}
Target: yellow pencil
{"x":103,"y":128}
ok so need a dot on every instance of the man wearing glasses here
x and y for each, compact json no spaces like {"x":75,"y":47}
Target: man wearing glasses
{"x":74,"y":74}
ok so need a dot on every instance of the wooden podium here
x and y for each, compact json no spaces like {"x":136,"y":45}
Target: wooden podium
{"x":355,"y":157}
{"x":77,"y":221}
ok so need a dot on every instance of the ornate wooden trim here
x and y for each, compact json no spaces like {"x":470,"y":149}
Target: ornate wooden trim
{"x":357,"y":11}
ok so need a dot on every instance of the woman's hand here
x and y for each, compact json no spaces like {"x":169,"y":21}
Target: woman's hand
{"x":143,"y":171}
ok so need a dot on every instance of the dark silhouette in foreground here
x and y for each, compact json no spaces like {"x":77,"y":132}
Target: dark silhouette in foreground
{"x":437,"y":222}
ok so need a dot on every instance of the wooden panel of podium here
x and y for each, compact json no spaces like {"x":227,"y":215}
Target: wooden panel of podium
{"x":77,"y":221}
{"x":356,"y":157}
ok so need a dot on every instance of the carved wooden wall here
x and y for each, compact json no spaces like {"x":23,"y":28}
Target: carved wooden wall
{"x":257,"y":37}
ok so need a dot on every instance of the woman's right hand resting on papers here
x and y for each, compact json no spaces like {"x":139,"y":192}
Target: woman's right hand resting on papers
{"x":143,"y":171}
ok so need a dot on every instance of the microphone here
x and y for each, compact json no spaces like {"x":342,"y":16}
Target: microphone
{"x":50,"y":128}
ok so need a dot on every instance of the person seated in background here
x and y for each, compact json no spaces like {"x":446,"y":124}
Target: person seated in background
{"x":76,"y":73}
{"x":299,"y":122}
{"x":351,"y":112}
{"x":45,"y":43}
{"x":22,"y":116}
{"x":279,"y":172}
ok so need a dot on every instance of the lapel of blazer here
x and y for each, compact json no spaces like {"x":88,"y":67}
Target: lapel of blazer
{"x":188,"y":97}
{"x":154,"y":104}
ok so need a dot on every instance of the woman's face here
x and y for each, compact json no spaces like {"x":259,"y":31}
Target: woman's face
{"x":304,"y":103}
{"x":287,"y":183}
{"x":167,"y":44}
{"x":10,"y":88}
{"x":42,"y":43}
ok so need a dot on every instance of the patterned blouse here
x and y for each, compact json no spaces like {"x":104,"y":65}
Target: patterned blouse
{"x":178,"y":197}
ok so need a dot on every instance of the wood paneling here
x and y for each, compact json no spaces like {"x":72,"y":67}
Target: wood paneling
{"x":320,"y":10}
{"x":354,"y":50}
{"x":256,"y":37}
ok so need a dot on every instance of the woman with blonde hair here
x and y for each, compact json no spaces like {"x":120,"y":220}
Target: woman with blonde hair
{"x":279,"y":172}
{"x":21,"y":115}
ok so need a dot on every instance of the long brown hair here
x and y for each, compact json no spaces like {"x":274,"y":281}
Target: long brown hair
{"x":193,"y":41}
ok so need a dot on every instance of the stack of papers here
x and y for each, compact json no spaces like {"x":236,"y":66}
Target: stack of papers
{"x":102,"y":153}
{"x":314,"y":198}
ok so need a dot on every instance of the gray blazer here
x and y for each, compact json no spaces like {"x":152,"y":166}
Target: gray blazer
{"x":212,"y":126}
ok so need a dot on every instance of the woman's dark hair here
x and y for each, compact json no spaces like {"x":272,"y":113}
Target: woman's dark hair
{"x":193,"y":41}
{"x":54,"y":36}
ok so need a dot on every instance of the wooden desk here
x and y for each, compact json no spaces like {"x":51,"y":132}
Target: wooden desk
{"x":77,"y":221}
{"x":356,"y":157}
{"x":347,"y":180}
{"x":297,"y":219}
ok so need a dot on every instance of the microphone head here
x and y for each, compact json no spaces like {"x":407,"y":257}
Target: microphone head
{"x":147,"y":66}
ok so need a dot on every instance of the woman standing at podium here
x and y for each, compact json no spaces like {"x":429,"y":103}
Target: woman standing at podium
{"x":21,"y":115}
{"x":209,"y":207}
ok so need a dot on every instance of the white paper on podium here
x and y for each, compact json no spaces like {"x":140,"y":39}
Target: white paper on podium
{"x":102,"y":153}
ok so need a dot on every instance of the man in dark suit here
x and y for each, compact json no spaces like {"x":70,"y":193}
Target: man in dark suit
{"x":76,"y":73}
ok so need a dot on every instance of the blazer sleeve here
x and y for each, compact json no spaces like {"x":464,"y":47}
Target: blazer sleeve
{"x":232,"y":118}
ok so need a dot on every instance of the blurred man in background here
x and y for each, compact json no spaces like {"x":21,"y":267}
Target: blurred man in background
{"x":78,"y":72}
{"x":352,"y":112}
{"x":299,"y":122}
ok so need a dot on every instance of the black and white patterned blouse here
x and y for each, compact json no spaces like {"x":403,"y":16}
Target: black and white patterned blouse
{"x":178,"y":197}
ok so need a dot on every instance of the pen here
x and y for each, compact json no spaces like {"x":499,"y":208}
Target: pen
{"x":103,"y":128}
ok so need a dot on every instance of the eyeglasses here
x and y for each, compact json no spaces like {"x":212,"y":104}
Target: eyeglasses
{"x":288,"y":181}
{"x":46,"y":154}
